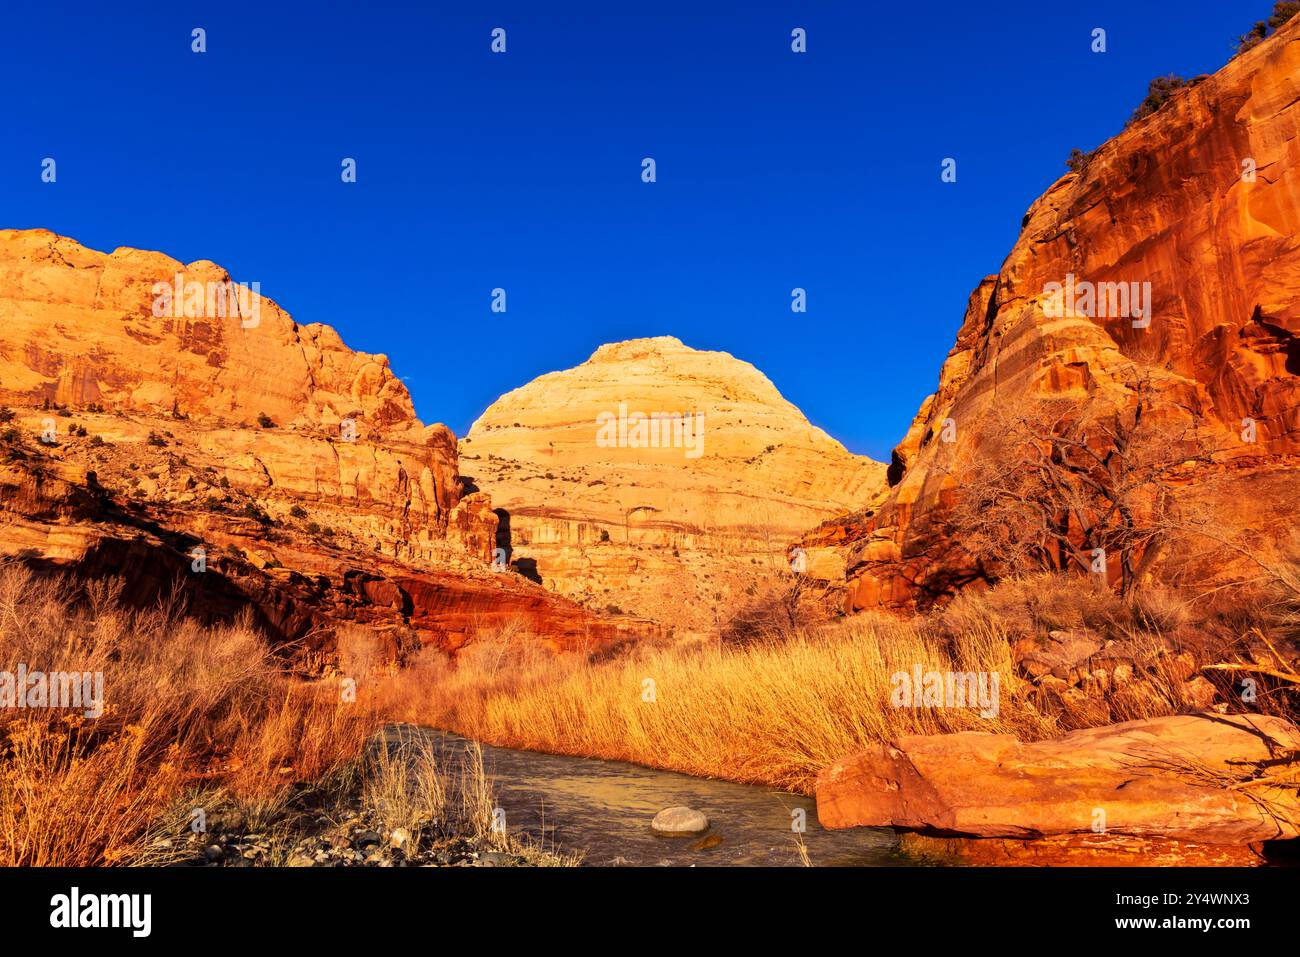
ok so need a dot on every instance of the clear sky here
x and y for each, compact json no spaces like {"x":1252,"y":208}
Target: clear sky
{"x":523,"y":170}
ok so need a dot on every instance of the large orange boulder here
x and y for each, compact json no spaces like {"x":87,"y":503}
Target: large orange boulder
{"x":1182,"y":778}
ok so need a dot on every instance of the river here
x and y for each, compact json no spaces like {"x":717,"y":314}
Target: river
{"x":602,"y":809}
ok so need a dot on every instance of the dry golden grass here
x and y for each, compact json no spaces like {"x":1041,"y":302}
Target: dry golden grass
{"x":184,"y":704}
{"x":405,"y":787}
{"x":768,"y":712}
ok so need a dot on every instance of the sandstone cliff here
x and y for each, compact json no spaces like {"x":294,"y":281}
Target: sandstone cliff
{"x":1171,"y":202}
{"x":676,"y":518}
{"x":140,"y":430}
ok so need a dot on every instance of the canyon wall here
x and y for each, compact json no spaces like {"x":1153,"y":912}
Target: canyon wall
{"x":138,"y":431}
{"x":1202,"y":201}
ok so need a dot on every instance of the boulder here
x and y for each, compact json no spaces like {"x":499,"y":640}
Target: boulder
{"x":1166,"y":777}
{"x":679,"y":822}
{"x":1064,"y":654}
{"x":1081,"y":850}
{"x":1200,"y":693}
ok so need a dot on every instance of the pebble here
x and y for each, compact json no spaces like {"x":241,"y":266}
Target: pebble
{"x":362,"y":840}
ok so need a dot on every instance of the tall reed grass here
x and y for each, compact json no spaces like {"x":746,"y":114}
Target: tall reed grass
{"x":770,"y":712}
{"x":186,"y":706}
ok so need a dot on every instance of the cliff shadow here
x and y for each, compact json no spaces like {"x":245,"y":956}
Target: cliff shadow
{"x":503,"y":532}
{"x":524,"y":566}
{"x":528,"y":568}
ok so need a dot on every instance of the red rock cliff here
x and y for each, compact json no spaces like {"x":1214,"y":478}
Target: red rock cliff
{"x":1167,"y":202}
{"x":140,"y":430}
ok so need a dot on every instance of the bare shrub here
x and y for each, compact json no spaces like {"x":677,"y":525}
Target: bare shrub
{"x":1053,"y":486}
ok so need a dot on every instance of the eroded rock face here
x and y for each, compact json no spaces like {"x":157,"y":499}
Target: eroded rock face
{"x":660,"y":522}
{"x":1166,"y":203}
{"x":1163,"y":778}
{"x":297,"y":465}
{"x":79,"y":332}
{"x":80,"y":328}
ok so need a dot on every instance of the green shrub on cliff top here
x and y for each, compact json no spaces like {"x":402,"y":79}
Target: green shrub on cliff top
{"x":1078,"y":160}
{"x":1283,"y":11}
{"x":1159,"y":91}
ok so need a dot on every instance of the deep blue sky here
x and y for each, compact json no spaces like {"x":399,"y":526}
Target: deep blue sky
{"x":522,"y":170}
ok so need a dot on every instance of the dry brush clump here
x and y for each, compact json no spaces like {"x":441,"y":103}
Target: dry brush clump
{"x":780,"y":606}
{"x":1264,"y":666}
{"x":1157,"y":651}
{"x":1053,"y":484}
{"x":428,"y":793}
{"x":185,"y":706}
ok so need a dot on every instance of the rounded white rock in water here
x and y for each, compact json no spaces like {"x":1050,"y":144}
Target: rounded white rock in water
{"x":679,"y":821}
